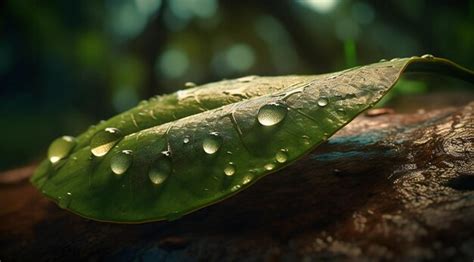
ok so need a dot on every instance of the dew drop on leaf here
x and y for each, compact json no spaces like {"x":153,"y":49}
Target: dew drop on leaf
{"x":160,"y":169}
{"x":235,"y":188}
{"x":121,"y":162}
{"x":322,"y":102}
{"x":427,"y":56}
{"x":104,"y":140}
{"x":246,"y":180}
{"x":269,"y":166}
{"x":306,"y":139}
{"x":229,"y":170}
{"x":281,"y":156}
{"x":271,"y":114}
{"x":212,"y":143}
{"x":185,"y":140}
{"x":60,"y":148}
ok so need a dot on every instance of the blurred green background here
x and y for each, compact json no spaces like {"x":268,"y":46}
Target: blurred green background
{"x":65,"y":65}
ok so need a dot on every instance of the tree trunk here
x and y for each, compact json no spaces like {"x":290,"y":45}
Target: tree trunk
{"x":386,"y":186}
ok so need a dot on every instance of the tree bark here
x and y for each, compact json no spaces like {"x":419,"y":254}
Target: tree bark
{"x":386,"y":186}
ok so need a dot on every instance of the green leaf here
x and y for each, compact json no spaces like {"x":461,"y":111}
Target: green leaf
{"x":177,"y":153}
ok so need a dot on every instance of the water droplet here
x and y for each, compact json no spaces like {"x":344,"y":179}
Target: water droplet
{"x":383,"y":60}
{"x":306,"y":139}
{"x":271,"y":114}
{"x":281,"y":156}
{"x":427,"y":56}
{"x":160,"y":169}
{"x":394,"y":59}
{"x":246,"y":180}
{"x":60,"y":148}
{"x":186,"y":140}
{"x":229,"y":170}
{"x":189,"y":84}
{"x":235,"y":188}
{"x":120,"y":162}
{"x":104,"y":140}
{"x":322,"y":101}
{"x":64,"y":202}
{"x":212,"y":143}
{"x":269,"y":166}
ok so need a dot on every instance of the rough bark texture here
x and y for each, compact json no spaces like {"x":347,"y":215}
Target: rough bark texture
{"x":387,"y":186}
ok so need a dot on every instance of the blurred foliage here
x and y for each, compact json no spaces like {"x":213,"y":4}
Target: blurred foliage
{"x":67,"y":64}
{"x":404,"y":87}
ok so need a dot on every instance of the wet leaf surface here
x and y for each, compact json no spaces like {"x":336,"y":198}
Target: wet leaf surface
{"x":393,"y":186}
{"x":198,"y":146}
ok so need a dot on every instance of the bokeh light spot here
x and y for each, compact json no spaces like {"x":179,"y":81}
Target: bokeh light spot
{"x":363,"y":13}
{"x":320,"y":6}
{"x":124,"y":98}
{"x":148,"y":7}
{"x":240,"y":57}
{"x":173,"y":63}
